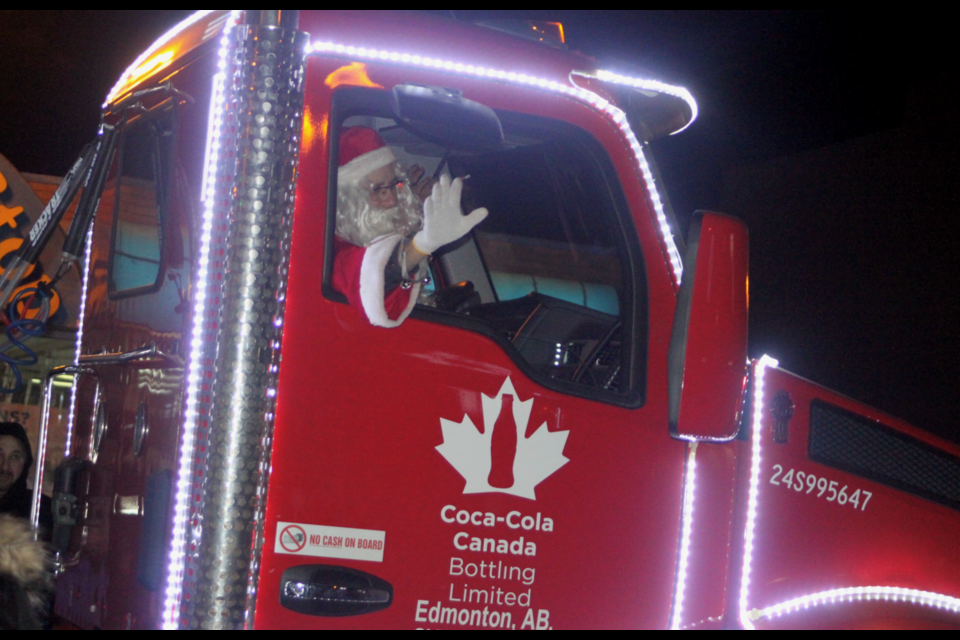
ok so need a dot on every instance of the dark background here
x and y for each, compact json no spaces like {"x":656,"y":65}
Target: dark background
{"x":832,"y":133}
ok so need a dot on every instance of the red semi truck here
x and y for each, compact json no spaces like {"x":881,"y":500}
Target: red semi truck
{"x":247,"y":451}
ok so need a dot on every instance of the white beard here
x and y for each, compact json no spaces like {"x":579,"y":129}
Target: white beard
{"x":359,"y":223}
{"x":374,"y":223}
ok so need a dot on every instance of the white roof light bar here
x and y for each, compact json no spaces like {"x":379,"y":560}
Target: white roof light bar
{"x":655,"y":86}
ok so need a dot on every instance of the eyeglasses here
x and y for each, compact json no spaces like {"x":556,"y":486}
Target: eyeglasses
{"x":383,"y":191}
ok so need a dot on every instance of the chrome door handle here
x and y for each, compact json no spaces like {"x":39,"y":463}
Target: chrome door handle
{"x":44,"y":430}
{"x":333,"y":591}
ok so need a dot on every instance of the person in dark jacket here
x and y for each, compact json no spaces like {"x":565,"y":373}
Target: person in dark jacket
{"x":16,"y":458}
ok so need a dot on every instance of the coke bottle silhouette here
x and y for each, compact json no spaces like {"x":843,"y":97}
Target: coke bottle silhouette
{"x":503,"y":447}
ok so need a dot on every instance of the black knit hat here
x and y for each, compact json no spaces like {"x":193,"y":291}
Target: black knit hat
{"x":16,"y":430}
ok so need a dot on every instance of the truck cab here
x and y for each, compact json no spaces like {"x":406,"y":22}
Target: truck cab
{"x":246,"y":450}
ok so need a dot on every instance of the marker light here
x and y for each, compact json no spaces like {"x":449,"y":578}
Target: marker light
{"x":759,"y":373}
{"x":859,"y":594}
{"x":155,"y":63}
{"x":144,"y":65}
{"x":689,"y":490}
{"x":570,"y":90}
{"x":77,"y":352}
{"x":177,"y":558}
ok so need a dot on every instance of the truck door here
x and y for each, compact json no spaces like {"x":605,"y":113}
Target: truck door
{"x":501,"y":461}
{"x":125,"y":439}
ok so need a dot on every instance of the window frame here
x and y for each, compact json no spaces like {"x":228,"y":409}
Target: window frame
{"x":166,"y":109}
{"x":634,"y":312}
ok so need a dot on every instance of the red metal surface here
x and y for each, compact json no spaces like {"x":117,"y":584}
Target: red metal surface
{"x":806,"y":544}
{"x":716,"y":340}
{"x":358,"y":420}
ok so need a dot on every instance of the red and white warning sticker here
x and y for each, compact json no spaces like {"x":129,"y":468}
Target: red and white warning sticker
{"x":330,"y":542}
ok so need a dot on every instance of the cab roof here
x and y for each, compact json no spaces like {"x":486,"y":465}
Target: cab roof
{"x":417,"y":34}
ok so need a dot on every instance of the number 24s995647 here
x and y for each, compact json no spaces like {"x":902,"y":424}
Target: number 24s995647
{"x":808,"y":483}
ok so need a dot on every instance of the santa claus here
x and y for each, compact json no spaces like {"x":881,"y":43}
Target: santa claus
{"x":384,"y":231}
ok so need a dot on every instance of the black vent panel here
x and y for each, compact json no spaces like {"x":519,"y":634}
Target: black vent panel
{"x":852,"y":443}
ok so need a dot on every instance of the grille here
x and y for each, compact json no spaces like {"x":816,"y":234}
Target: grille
{"x":852,"y":443}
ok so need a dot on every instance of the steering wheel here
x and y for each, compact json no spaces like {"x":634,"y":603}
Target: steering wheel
{"x":586,"y":364}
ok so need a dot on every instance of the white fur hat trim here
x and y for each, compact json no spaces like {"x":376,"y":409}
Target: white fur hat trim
{"x":364,"y":165}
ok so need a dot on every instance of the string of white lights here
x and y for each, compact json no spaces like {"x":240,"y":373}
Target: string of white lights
{"x":858,"y":594}
{"x":689,"y":492}
{"x":570,"y":90}
{"x":181,"y":518}
{"x":78,"y":351}
{"x":655,"y":86}
{"x":748,"y":538}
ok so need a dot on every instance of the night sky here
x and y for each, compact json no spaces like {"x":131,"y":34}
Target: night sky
{"x":832,"y":133}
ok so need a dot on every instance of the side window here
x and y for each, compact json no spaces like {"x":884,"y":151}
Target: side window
{"x":141,"y":196}
{"x":548,"y":272}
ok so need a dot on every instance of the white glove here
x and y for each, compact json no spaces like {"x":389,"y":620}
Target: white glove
{"x":442,"y":221}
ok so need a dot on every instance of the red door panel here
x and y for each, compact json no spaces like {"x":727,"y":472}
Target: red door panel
{"x":363,"y":454}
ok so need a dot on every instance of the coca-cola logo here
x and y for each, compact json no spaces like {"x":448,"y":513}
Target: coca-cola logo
{"x":501,"y":458}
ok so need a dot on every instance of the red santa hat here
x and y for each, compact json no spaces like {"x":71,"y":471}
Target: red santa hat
{"x":362,"y":151}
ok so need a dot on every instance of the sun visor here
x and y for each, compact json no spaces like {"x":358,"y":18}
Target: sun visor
{"x":655,"y":109}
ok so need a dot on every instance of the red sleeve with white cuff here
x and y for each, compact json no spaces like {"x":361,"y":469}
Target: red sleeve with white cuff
{"x":358,"y":273}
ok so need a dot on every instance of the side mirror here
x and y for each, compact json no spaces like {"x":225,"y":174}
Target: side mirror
{"x":445,"y":117}
{"x":707,"y":362}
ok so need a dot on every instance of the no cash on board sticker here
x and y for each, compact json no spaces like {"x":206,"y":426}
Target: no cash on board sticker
{"x":330,"y":542}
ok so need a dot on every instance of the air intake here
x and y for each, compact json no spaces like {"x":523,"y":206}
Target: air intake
{"x":852,"y":443}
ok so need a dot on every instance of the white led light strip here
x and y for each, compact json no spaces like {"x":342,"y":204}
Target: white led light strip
{"x":689,"y":491}
{"x":159,"y":42}
{"x":758,"y":380}
{"x":656,"y":86}
{"x":859,"y":594}
{"x":181,"y":517}
{"x":578,"y":93}
{"x":78,"y":351}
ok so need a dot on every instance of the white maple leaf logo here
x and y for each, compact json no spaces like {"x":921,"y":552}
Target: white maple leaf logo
{"x":470,"y":452}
